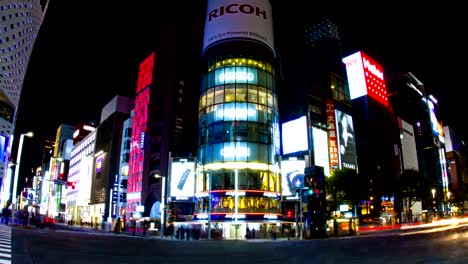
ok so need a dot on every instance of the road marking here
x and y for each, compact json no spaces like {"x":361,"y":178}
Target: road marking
{"x":5,"y":244}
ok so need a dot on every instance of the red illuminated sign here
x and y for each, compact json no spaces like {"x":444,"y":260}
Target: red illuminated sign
{"x":365,"y":77}
{"x":140,"y":119}
{"x":375,"y":83}
{"x":332,"y":139}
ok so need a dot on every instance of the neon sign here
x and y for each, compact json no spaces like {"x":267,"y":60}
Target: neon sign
{"x":235,"y":75}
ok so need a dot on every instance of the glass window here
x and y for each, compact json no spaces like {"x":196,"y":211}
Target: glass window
{"x":241,"y":93}
{"x":252,"y":94}
{"x":241,"y":111}
{"x":254,"y":155}
{"x":241,"y":131}
{"x":262,"y":80}
{"x":219,"y":95}
{"x":218,"y":131}
{"x":228,"y":151}
{"x":210,"y":110}
{"x":263,"y":153}
{"x":211,"y":82}
{"x":229,"y":93}
{"x":262,"y":97}
{"x":209,"y":153}
{"x":217,"y":152}
{"x":210,"y":97}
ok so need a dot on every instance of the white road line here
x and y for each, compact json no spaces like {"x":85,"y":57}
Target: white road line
{"x":5,"y":261}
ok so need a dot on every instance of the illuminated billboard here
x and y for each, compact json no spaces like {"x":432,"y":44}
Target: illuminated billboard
{"x":292,"y":176}
{"x":294,"y":136}
{"x":238,"y":20}
{"x":229,"y":75}
{"x":408,"y":145}
{"x":321,"y":159}
{"x":182,"y":179}
{"x":365,"y":77}
{"x":139,"y":123}
{"x":346,"y":140}
{"x":332,"y":140}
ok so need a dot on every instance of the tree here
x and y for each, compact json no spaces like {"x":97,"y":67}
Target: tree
{"x":346,"y":186}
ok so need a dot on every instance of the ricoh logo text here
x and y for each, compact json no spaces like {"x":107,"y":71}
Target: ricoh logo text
{"x":236,"y":8}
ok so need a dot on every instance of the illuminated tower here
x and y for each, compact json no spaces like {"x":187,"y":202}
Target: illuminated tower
{"x":238,"y":182}
{"x":20,"y":21}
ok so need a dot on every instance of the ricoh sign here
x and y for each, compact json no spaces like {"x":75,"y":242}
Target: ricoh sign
{"x":237,"y":20}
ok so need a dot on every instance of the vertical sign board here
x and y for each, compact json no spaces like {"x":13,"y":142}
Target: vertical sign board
{"x":332,"y":139}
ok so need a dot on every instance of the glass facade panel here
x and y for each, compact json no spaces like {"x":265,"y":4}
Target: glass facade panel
{"x":236,"y":119}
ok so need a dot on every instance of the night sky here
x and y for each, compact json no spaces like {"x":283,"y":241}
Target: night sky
{"x":86,"y":54}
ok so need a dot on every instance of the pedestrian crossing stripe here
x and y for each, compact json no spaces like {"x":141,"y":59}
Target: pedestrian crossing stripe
{"x":5,"y":244}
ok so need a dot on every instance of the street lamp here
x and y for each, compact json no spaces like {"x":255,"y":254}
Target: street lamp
{"x":18,"y":159}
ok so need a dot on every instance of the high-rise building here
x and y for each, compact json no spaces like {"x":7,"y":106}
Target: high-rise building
{"x":107,"y":158}
{"x":80,"y":174}
{"x":164,"y":122}
{"x":376,"y":134}
{"x":20,"y":22}
{"x":238,"y":186}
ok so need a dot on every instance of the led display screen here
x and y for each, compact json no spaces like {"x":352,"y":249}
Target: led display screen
{"x":294,"y":136}
{"x":365,"y":77}
{"x":408,"y":146}
{"x":292,"y":176}
{"x":346,"y":140}
{"x":321,"y":159}
{"x":182,"y":183}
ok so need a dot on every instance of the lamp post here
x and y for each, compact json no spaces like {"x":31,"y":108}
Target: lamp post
{"x":15,"y":184}
{"x":433,"y":202}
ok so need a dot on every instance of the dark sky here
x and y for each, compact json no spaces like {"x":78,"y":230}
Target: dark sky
{"x":85,"y":55}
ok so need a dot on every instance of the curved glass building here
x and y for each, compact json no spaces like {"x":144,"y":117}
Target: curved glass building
{"x":20,"y":21}
{"x":238,"y":186}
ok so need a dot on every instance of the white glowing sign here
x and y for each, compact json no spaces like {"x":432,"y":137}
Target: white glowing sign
{"x":239,"y":112}
{"x":233,"y":193}
{"x":237,"y":151}
{"x":235,"y":75}
{"x":182,"y":182}
{"x":235,"y":216}
{"x":270,"y":216}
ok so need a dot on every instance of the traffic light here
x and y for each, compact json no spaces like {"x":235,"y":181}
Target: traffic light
{"x":71,"y":184}
{"x":289,"y":214}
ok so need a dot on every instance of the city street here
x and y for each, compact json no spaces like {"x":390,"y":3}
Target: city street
{"x":65,"y":246}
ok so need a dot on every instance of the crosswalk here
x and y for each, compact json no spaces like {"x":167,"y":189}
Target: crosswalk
{"x":5,"y":244}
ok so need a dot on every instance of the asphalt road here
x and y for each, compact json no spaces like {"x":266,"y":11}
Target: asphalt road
{"x":62,"y":246}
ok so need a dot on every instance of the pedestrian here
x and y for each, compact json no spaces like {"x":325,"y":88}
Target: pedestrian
{"x":118,"y":226}
{"x":253,"y":233}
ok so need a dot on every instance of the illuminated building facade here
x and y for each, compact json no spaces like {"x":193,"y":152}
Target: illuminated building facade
{"x":411,"y":103}
{"x":136,"y":180}
{"x":376,"y":134}
{"x":107,"y":158}
{"x":80,"y":174}
{"x":238,"y":183}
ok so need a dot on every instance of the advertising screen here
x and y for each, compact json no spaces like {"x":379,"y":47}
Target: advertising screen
{"x":294,"y":136}
{"x":3,"y":141}
{"x":320,"y":138}
{"x":408,"y":145}
{"x":292,"y":176}
{"x":182,"y":183}
{"x":346,"y":140}
{"x":365,"y":77}
{"x":234,"y":19}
